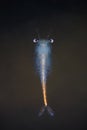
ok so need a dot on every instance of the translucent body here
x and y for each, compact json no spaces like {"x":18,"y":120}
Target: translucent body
{"x":43,"y":58}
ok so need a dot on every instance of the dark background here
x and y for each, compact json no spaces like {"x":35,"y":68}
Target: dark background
{"x":20,"y":88}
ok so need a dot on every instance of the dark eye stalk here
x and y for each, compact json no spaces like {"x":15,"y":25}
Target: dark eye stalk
{"x":51,"y":40}
{"x":35,"y":40}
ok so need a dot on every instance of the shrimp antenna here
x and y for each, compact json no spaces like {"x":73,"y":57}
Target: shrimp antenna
{"x":38,"y":34}
{"x":50,"y":32}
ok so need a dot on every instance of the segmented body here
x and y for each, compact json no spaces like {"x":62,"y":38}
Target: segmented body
{"x":43,"y":58}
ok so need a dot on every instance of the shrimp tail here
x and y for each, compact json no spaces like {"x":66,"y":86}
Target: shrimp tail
{"x":46,"y":109}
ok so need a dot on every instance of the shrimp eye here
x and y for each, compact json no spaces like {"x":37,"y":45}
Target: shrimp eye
{"x":35,"y":40}
{"x":51,"y":40}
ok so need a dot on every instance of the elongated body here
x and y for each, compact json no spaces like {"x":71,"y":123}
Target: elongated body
{"x":43,"y":65}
